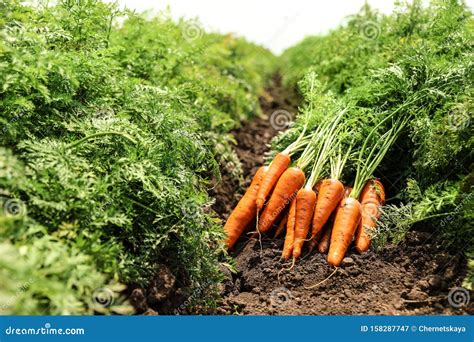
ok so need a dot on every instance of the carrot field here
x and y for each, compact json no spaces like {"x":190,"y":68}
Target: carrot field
{"x":149,"y":166}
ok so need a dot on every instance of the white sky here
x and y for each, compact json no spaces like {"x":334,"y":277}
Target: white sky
{"x":275,"y":24}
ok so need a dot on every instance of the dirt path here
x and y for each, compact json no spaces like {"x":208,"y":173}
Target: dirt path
{"x":253,"y":139}
{"x":412,"y":278}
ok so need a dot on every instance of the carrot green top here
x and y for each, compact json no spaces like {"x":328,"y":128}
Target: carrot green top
{"x":367,"y":163}
{"x":321,"y":147}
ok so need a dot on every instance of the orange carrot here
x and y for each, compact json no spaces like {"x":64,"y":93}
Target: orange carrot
{"x":348,"y":216}
{"x":326,"y":238}
{"x":279,"y":164}
{"x":314,"y":241}
{"x":330,"y":194}
{"x":245,"y":210}
{"x":285,"y":190}
{"x":371,"y":198}
{"x":281,"y":226}
{"x":290,"y":232}
{"x":305,"y":203}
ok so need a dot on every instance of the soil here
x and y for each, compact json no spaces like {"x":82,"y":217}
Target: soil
{"x":412,"y":278}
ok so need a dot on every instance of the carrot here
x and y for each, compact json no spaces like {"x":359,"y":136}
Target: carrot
{"x":245,"y":210}
{"x":369,"y":159}
{"x":349,"y":213}
{"x":371,"y":198}
{"x":285,"y":190}
{"x":281,"y":226}
{"x":279,"y":164}
{"x":290,"y":232}
{"x":331,"y":190}
{"x":323,"y":246}
{"x":330,"y":194}
{"x":326,"y":238}
{"x":347,"y":219}
{"x":314,"y":241}
{"x":305,"y":203}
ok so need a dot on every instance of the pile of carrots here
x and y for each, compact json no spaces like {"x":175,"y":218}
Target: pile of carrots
{"x":307,"y":197}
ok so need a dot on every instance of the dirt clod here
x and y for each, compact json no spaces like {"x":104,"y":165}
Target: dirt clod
{"x":150,"y":312}
{"x":138,"y":299}
{"x":347,"y":261}
{"x":417,"y":295}
{"x":161,"y":286}
{"x":435,"y":282}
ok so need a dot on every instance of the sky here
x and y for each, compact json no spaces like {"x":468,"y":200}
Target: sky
{"x":275,"y":24}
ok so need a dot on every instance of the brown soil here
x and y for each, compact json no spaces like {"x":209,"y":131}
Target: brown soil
{"x":412,"y":278}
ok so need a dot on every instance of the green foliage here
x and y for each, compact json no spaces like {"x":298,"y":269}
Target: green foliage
{"x":416,"y":62}
{"x":112,"y":125}
{"x":468,"y":282}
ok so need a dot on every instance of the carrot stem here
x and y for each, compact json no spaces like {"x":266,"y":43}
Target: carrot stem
{"x":100,"y":134}
{"x":297,"y":143}
{"x":327,"y":135}
{"x":368,"y":163}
